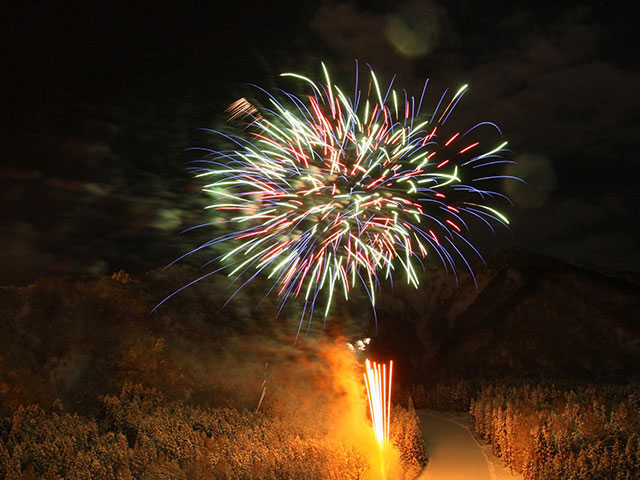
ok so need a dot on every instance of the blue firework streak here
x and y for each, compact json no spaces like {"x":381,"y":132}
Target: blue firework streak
{"x":324,"y":192}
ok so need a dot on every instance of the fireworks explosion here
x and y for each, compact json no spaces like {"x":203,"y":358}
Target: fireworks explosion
{"x":323,"y":192}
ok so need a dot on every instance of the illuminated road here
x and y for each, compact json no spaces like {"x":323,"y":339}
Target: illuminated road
{"x":454,"y":453}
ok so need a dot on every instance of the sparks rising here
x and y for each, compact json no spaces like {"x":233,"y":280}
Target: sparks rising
{"x":379,"y":394}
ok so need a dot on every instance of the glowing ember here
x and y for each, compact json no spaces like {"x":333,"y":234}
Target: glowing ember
{"x":379,"y":395}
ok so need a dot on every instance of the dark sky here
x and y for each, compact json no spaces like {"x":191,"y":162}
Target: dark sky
{"x":99,"y":103}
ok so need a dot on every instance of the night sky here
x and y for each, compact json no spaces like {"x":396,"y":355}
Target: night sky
{"x":100,"y":102}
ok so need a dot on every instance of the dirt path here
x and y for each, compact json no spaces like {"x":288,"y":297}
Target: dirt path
{"x":454,"y":453}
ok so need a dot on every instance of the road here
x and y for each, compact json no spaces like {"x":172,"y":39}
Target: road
{"x":454,"y":453}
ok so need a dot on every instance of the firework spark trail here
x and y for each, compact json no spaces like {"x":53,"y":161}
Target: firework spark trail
{"x":378,"y":387}
{"x":324,"y":192}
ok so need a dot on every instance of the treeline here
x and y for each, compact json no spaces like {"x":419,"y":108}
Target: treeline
{"x":405,"y":434}
{"x":141,"y":435}
{"x":547,"y":431}
{"x":446,"y":396}
{"x":554,"y":433}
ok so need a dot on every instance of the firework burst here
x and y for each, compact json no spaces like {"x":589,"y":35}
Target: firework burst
{"x":322,"y":192}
